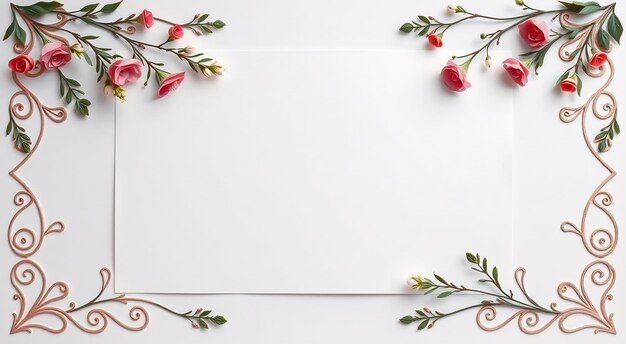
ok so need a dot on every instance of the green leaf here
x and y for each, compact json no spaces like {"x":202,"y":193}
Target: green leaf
{"x":470,"y":258}
{"x":485,"y":264}
{"x":615,"y":27}
{"x":422,"y":325}
{"x":444,"y":294}
{"x":602,"y":146}
{"x":406,"y":27}
{"x":41,"y":8}
{"x":202,"y":18}
{"x":218,"y":24}
{"x":88,"y":8}
{"x":73,"y":82}
{"x":424,"y":19}
{"x":218,"y":320}
{"x":430,"y":290}
{"x":82,"y":107}
{"x":20,"y":34}
{"x":62,"y":89}
{"x":579,"y":85}
{"x":9,"y":128}
{"x":494,"y":273}
{"x":423,"y":32}
{"x":582,"y":7}
{"x":204,"y":314}
{"x":616,"y":127}
{"x":604,"y":39}
{"x":440,"y":279}
{"x":87,"y":58}
{"x":110,"y":7}
{"x":203,"y":324}
{"x":407,"y":319}
{"x":9,"y":31}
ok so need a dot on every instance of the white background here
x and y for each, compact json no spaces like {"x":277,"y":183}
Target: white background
{"x":73,"y":175}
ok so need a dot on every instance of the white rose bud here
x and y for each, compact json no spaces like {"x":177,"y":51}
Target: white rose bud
{"x":452,"y":9}
{"x":488,"y":61}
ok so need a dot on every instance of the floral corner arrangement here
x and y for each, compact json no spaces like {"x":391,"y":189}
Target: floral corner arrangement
{"x":591,"y":39}
{"x":60,"y":46}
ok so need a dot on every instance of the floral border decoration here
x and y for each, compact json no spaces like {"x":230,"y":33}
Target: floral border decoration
{"x":588,"y":43}
{"x":115,"y":73}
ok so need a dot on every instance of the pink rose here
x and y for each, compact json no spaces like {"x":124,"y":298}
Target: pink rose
{"x":169,"y":83}
{"x":147,"y":19}
{"x":598,"y":59}
{"x":453,"y":77}
{"x":21,"y":64}
{"x":534,"y":33}
{"x":176,"y":32}
{"x":55,"y":55}
{"x":125,"y":71}
{"x":516,"y":70}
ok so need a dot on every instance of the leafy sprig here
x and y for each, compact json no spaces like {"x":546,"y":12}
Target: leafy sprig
{"x":70,"y":91}
{"x":18,"y":134}
{"x":605,"y":138}
{"x":490,"y":275}
{"x":201,"y":318}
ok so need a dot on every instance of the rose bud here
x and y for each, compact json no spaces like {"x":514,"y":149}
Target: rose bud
{"x":569,"y":85}
{"x":598,"y":59}
{"x":21,"y":64}
{"x":435,"y":40}
{"x":176,"y":32}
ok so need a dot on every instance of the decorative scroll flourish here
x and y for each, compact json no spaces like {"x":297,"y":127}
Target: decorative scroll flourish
{"x":600,"y":242}
{"x":27,"y":275}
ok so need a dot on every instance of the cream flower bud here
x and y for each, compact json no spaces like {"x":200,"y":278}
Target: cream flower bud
{"x":452,"y":9}
{"x":216,"y":69}
{"x":189,"y":50}
{"x":414,"y":282}
{"x":519,"y":2}
{"x":108,"y":90}
{"x":77,"y":48}
{"x":206,"y":71}
{"x":488,"y":61}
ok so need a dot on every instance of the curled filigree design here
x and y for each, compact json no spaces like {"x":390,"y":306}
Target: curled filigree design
{"x":24,"y":241}
{"x":600,"y":273}
{"x":598,"y":241}
{"x":27,"y":276}
{"x":28,"y":273}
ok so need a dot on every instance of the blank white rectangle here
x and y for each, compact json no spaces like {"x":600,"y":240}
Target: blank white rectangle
{"x":311,"y":172}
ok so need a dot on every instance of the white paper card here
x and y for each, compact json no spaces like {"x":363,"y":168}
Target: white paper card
{"x":311,"y":172}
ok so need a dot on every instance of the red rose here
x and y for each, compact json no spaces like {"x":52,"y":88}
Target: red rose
{"x":516,"y":70}
{"x":568,"y":85}
{"x":169,"y":82}
{"x":435,"y":40}
{"x":176,"y":32}
{"x":21,"y":64}
{"x":147,"y":19}
{"x":598,"y":59}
